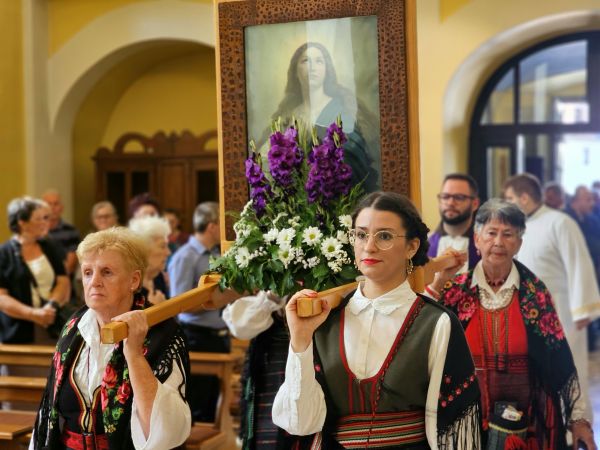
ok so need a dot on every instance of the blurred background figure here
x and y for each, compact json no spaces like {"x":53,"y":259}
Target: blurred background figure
{"x":32,"y":274}
{"x":104,"y":215}
{"x":65,"y":234}
{"x":155,"y":232}
{"x":204,"y":328}
{"x":581,"y":208}
{"x":144,"y":205}
{"x":554,"y":195}
{"x":177,"y":238}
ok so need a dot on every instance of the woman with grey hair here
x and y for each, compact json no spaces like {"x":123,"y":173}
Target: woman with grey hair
{"x":530,"y":388}
{"x":155,"y":232}
{"x":32,"y":275}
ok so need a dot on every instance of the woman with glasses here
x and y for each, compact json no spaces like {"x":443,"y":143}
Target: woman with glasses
{"x":530,"y":389}
{"x":388,"y":368}
{"x":32,"y":275}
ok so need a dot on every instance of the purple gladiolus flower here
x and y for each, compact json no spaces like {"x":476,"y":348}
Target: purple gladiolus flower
{"x":329,"y":176}
{"x":285,"y":157}
{"x":260,"y":189}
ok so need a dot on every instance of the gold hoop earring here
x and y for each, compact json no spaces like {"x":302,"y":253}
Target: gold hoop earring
{"x":409,"y":266}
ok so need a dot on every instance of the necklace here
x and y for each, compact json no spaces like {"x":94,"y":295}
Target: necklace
{"x":495,"y":284}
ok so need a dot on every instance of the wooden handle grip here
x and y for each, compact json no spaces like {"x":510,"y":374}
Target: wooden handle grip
{"x":117,"y":331}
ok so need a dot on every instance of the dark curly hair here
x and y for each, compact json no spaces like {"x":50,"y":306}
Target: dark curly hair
{"x":403,"y":208}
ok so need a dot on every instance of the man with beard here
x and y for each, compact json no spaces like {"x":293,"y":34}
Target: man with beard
{"x":458,"y":201}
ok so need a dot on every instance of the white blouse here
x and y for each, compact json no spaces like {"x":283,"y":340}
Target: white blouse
{"x":369,"y":328}
{"x":169,"y":410}
{"x":42,"y":271}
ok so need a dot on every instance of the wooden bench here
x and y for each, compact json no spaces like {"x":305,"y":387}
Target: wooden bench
{"x":217,"y":435}
{"x":204,"y":436}
{"x":14,"y":428}
{"x":26,"y":355}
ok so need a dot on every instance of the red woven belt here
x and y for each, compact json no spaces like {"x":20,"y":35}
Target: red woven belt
{"x":85,"y":441}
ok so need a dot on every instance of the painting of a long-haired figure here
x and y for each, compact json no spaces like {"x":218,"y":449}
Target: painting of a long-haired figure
{"x":314,"y":72}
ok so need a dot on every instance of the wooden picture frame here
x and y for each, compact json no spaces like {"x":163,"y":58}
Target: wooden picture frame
{"x":397,"y":86}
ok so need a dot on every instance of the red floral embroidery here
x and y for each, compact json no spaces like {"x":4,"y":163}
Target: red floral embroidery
{"x":110,"y":377}
{"x":124,"y":392}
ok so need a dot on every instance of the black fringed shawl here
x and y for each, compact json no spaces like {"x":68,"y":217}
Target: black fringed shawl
{"x":459,"y":410}
{"x":554,"y":381}
{"x":164,"y":346}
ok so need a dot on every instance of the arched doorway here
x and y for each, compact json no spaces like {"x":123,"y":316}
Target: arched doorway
{"x":539,"y":112}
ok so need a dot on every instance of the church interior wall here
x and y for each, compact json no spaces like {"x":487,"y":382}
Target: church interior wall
{"x":12,"y":154}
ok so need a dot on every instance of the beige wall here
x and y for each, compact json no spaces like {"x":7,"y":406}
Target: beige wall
{"x":12,"y":153}
{"x":144,"y":96}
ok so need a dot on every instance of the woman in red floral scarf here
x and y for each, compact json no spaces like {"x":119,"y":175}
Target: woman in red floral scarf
{"x":121,"y":396}
{"x":530,"y":388}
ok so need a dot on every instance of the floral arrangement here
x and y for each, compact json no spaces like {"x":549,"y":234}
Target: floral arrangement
{"x":294,"y":232}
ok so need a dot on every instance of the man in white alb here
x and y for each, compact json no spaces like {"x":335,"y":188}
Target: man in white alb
{"x":555,"y":250}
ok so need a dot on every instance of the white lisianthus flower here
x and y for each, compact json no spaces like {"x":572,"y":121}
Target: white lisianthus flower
{"x":342,"y":236}
{"x":285,"y":237}
{"x":311,"y":236}
{"x":330,"y":247}
{"x":285,"y":255}
{"x":346,"y":221}
{"x":271,"y":235}
{"x":242,"y":258}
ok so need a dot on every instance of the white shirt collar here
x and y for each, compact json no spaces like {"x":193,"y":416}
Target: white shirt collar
{"x":88,"y":327}
{"x":479,"y":280}
{"x":386,"y":303}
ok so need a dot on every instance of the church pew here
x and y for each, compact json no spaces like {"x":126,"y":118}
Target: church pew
{"x":21,"y":389}
{"x":26,"y":355}
{"x":208,"y":436}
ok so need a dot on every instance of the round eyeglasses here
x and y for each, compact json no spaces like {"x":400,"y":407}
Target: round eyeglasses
{"x":384,"y":240}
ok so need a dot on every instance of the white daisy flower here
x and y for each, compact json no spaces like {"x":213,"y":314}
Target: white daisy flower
{"x":346,"y":221}
{"x":271,"y":235}
{"x":311,"y":236}
{"x":342,"y":236}
{"x":330,"y":247}
{"x":242,"y":258}
{"x":285,"y":236}
{"x":285,"y":255}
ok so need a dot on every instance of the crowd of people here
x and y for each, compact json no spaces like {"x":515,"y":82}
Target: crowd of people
{"x":494,"y":353}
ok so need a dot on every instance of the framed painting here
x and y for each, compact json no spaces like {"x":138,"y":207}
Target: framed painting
{"x":313,"y":61}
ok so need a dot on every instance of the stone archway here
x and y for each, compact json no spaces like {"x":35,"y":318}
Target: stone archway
{"x":52,"y":102}
{"x":467,"y":81}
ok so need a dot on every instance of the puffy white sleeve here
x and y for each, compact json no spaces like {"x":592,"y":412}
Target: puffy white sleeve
{"x":249,"y":316}
{"x":299,"y":407}
{"x":170,"y":421}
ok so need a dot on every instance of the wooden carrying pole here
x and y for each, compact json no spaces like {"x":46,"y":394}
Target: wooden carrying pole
{"x":311,"y":306}
{"x":117,"y":331}
{"x":307,"y":306}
